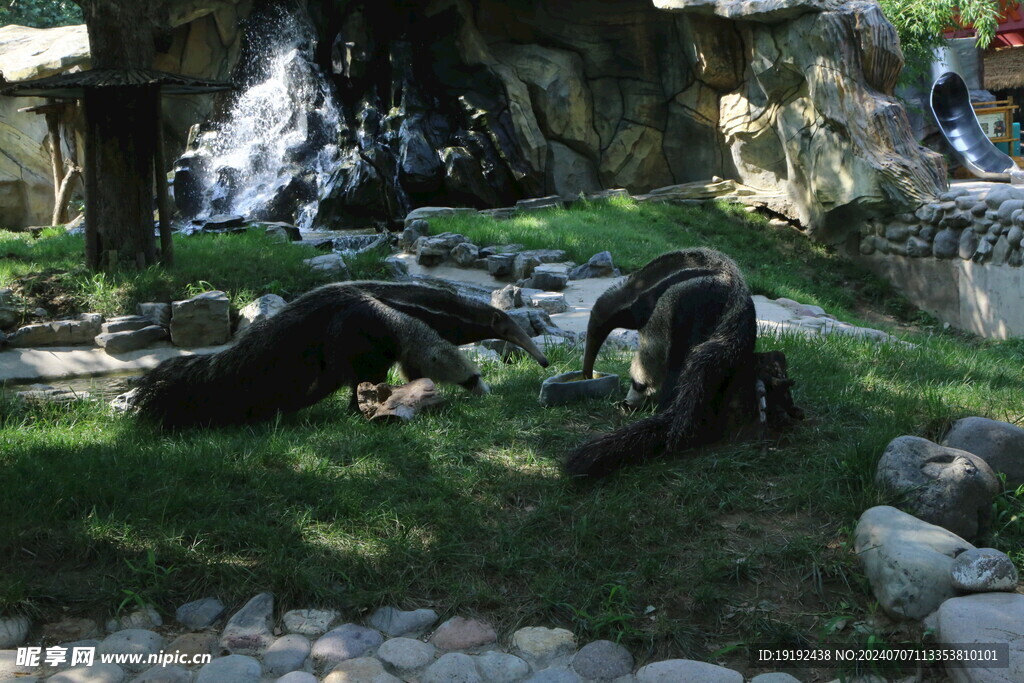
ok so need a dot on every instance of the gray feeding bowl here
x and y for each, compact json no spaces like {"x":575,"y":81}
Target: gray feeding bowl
{"x":569,"y":387}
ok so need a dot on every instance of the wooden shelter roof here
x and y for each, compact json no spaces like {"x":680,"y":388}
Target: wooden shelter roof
{"x":1004,"y":69}
{"x":72,"y":85}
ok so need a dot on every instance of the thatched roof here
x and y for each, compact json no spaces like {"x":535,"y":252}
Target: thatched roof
{"x":71,"y":85}
{"x":1004,"y":69}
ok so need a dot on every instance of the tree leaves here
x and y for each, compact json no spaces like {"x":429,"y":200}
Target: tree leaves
{"x":39,"y":13}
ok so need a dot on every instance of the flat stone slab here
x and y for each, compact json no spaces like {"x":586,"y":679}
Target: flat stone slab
{"x":28,"y":365}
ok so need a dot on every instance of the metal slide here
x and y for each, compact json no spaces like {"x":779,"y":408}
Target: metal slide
{"x":951,"y":105}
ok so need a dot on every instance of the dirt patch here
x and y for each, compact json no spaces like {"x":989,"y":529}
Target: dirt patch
{"x":48,"y":290}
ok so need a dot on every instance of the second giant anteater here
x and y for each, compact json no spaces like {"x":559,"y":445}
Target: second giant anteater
{"x":697,"y":335}
{"x":333,"y":336}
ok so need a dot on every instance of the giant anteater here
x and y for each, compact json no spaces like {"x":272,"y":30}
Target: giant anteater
{"x":697,"y":336}
{"x":332,"y":336}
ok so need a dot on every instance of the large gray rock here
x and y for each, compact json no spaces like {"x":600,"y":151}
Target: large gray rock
{"x":124,"y":323}
{"x":674,"y":670}
{"x":549,"y":277}
{"x":541,"y":646}
{"x":286,"y":654}
{"x":452,"y":668}
{"x":406,"y":656}
{"x":250,"y":630}
{"x":501,"y":265}
{"x":526,"y":261}
{"x":395,"y":622}
{"x":599,"y":265}
{"x":907,"y":561}
{"x":231,"y":669}
{"x":157,"y":313}
{"x":265,"y":306}
{"x":347,"y":641}
{"x":602,"y":660}
{"x":13,"y":631}
{"x":985,"y":618}
{"x":81,"y":329}
{"x":132,"y":641}
{"x":507,"y":298}
{"x":203,"y":320}
{"x":497,"y":667}
{"x":945,"y":486}
{"x":1000,"y":444}
{"x":199,"y":614}
{"x":131,"y":340}
{"x":309,"y":622}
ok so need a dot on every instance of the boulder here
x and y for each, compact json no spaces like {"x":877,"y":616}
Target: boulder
{"x":945,"y":486}
{"x":203,"y":320}
{"x":327,"y":263}
{"x":124,"y":323}
{"x":465,"y":254}
{"x":260,"y":309}
{"x":549,"y":277}
{"x":81,"y":329}
{"x":507,"y":298}
{"x":526,"y":261}
{"x":599,"y":265}
{"x":501,"y":265}
{"x":414,"y":230}
{"x":250,"y":630}
{"x":155,"y":313}
{"x":907,"y":561}
{"x":985,"y":619}
{"x":131,"y":340}
{"x":551,"y":302}
{"x":999,"y":444}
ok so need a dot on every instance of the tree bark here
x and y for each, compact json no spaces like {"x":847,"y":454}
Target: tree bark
{"x":120,"y":135}
{"x":119,"y":177}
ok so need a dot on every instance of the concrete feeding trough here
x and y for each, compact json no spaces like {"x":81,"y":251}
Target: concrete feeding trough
{"x":570,"y":386}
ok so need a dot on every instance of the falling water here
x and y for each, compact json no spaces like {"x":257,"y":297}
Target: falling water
{"x":278,"y":143}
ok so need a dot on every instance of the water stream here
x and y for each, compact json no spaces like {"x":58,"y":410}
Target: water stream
{"x":276,"y":147}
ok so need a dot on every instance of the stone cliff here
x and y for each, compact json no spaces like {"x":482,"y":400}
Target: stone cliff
{"x":483,"y":102}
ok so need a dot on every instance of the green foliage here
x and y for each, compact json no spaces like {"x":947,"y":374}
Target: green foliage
{"x":921,"y":23}
{"x":40,"y":13}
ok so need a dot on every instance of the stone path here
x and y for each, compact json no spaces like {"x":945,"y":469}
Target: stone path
{"x":311,"y":645}
{"x":773,"y":316}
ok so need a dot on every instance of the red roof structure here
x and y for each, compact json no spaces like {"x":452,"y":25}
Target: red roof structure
{"x":1011,"y":27}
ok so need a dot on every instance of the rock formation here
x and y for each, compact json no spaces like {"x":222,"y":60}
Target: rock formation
{"x":459,"y":103}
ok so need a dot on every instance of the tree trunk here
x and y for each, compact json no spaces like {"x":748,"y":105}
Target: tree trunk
{"x":119,"y":177}
{"x":120,"y":136}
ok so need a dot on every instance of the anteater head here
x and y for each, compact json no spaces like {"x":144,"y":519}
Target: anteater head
{"x":505,"y":328}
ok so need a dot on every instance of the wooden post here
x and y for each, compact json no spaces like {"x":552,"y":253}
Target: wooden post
{"x":56,"y":161}
{"x":163,"y":201}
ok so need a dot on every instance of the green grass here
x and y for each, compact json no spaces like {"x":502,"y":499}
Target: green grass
{"x":245,"y":266}
{"x":466,"y":509}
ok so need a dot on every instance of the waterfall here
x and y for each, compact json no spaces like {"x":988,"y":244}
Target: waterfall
{"x":271,"y":155}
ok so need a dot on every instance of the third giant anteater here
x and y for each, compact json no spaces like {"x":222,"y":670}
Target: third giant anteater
{"x":332,"y":336}
{"x":697,"y":336}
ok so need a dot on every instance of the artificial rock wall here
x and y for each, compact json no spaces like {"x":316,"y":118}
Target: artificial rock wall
{"x":788,"y":96}
{"x":483,"y":102}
